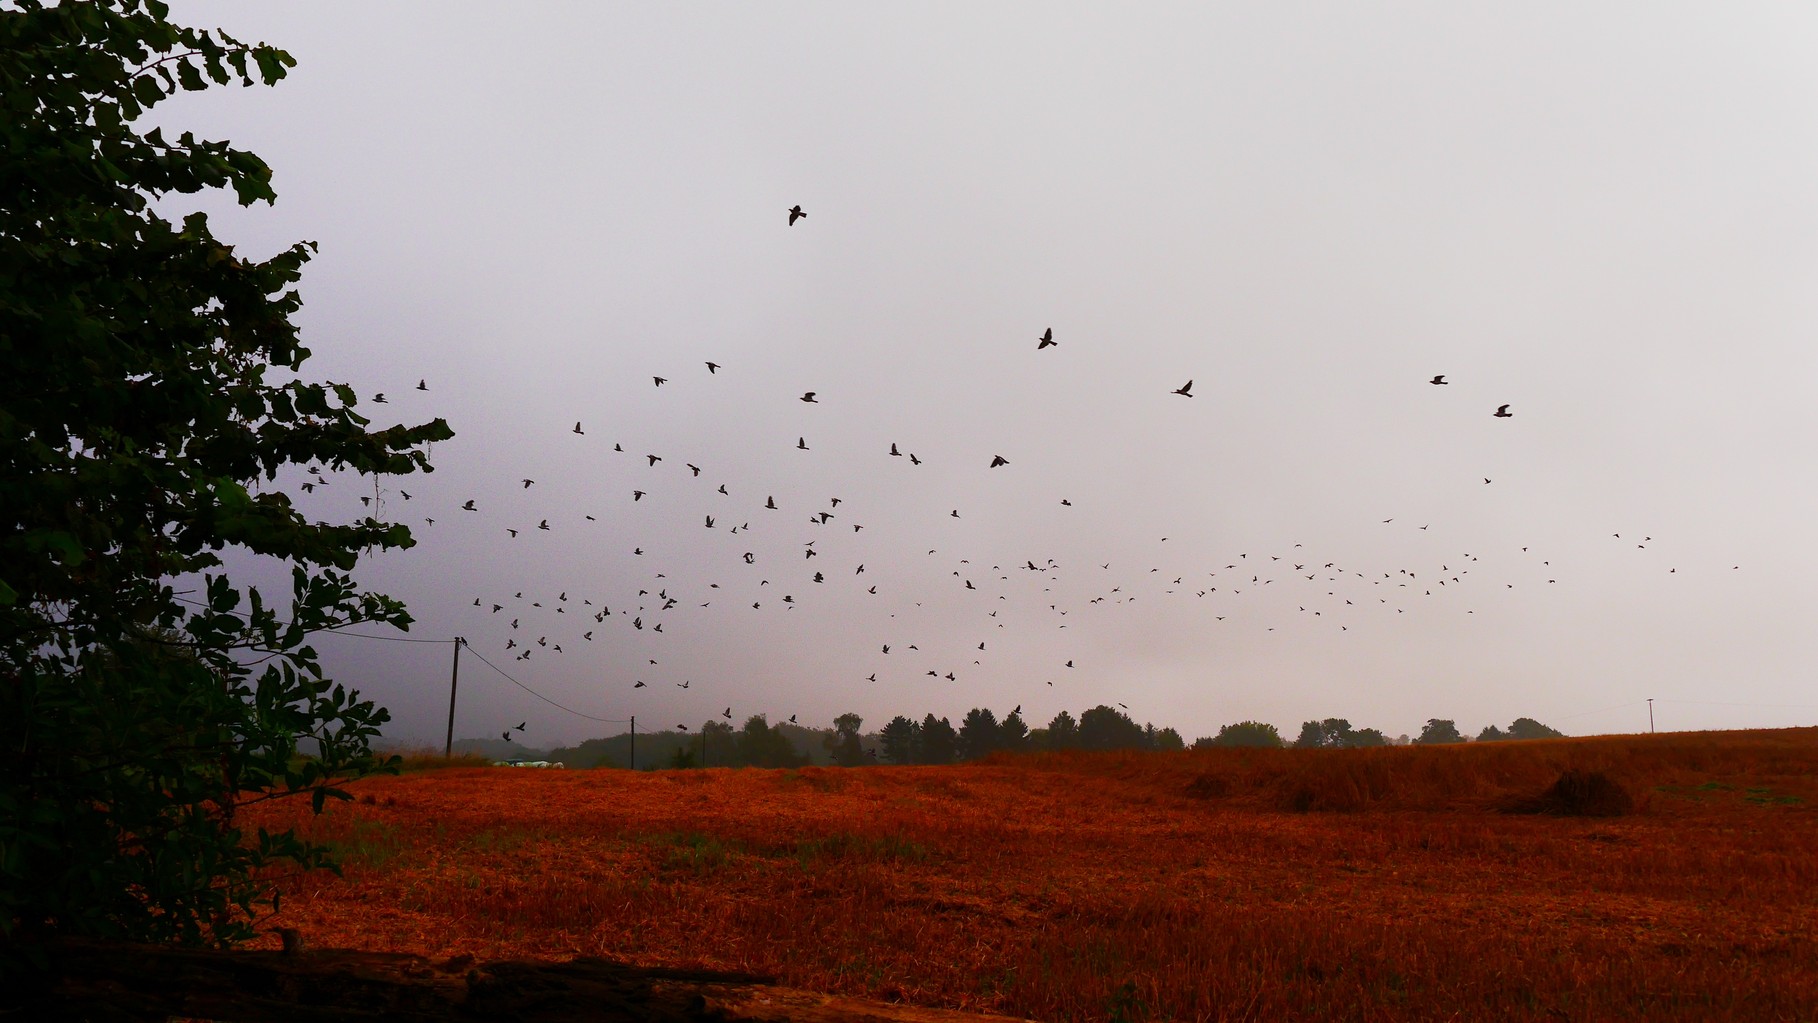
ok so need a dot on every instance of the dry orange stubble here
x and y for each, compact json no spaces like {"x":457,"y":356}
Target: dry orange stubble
{"x":1164,"y":886}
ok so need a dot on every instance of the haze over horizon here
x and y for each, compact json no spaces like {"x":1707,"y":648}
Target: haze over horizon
{"x":1605,"y":218}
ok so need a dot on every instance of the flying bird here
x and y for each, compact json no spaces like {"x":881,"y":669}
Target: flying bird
{"x":808,"y":396}
{"x":894,"y":451}
{"x":801,"y":443}
{"x":713,"y":367}
{"x":469,"y":507}
{"x":527,"y":484}
{"x":422,"y":385}
{"x":1502,"y":412}
{"x":1440,"y":379}
{"x":660,"y":381}
{"x":577,"y":428}
{"x":795,"y":214}
{"x":654,"y":459}
{"x":380,"y":398}
{"x":1185,"y":390}
{"x":1046,"y":340}
{"x":998,"y":460}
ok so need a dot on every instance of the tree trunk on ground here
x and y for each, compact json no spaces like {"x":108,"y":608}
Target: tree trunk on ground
{"x":132,"y":983}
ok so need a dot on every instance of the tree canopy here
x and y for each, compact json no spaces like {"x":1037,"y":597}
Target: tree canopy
{"x":143,"y":442}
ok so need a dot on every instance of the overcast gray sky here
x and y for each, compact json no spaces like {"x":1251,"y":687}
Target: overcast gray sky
{"x":1604,"y":215}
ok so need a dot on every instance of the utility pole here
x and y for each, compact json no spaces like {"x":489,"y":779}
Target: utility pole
{"x":634,"y":742}
{"x":1650,"y":715}
{"x":454,"y":681}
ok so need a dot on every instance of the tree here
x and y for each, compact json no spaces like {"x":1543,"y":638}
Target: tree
{"x":759,"y":745}
{"x":1013,"y":733}
{"x":1528,"y":728}
{"x":1105,"y":727}
{"x":1332,"y":733}
{"x":1491,"y":733}
{"x":978,"y":734}
{"x":1439,"y":732}
{"x":1063,"y":732}
{"x":844,"y":742}
{"x":900,"y":738}
{"x":718,"y":747}
{"x":1246,"y":733}
{"x":940,"y":743}
{"x":1367,"y":737}
{"x":141,"y":443}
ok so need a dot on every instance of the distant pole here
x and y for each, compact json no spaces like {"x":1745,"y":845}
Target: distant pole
{"x":454,"y":680}
{"x":1650,"y":715}
{"x":634,"y":742}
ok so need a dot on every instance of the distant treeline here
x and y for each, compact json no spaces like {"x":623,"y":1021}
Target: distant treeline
{"x":932,"y":740}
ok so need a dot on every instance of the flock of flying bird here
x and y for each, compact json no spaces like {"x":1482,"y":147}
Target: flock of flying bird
{"x":749,"y":564}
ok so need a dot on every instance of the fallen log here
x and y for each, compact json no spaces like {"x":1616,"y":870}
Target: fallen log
{"x":118,"y":983}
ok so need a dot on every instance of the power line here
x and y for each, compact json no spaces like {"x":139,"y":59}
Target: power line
{"x":1600,"y":710}
{"x":470,"y":649}
{"x":1727,"y":703}
{"x":540,"y":696}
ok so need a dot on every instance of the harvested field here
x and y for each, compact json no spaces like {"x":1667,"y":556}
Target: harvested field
{"x":1488,"y":881}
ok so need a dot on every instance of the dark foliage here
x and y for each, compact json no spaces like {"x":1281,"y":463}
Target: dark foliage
{"x":140,"y":439}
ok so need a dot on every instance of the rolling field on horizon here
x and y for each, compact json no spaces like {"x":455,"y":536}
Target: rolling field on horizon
{"x":1224,"y":884}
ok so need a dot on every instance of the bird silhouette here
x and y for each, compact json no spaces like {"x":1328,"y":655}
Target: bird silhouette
{"x":660,"y":381}
{"x":1046,"y":340}
{"x":543,"y":524}
{"x":914,"y":460}
{"x":894,"y":451}
{"x":1185,"y":390}
{"x":527,"y":484}
{"x":1440,"y":379}
{"x":577,"y":428}
{"x":469,"y":506}
{"x":637,"y":495}
{"x":998,"y":460}
{"x":801,"y":443}
{"x":795,"y":214}
{"x":654,"y":459}
{"x":1502,"y":412}
{"x":770,"y":503}
{"x":713,"y":367}
{"x":422,"y":385}
{"x":808,"y":396}
{"x":380,"y":398}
